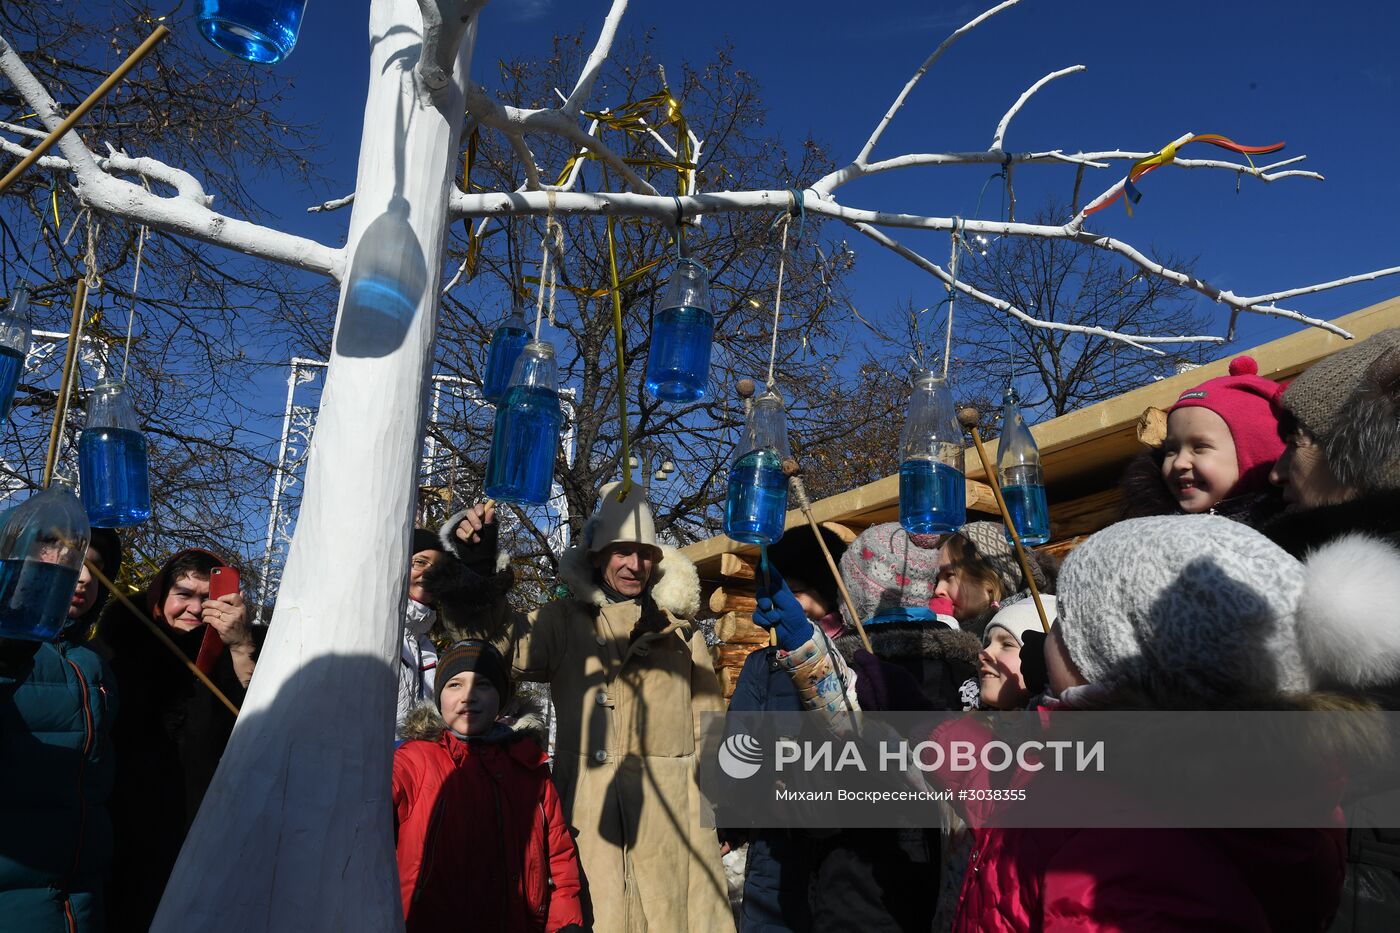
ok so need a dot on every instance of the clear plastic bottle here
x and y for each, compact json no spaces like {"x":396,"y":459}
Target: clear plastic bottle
{"x":112,"y":467}
{"x":678,"y":364}
{"x":932,"y":487}
{"x":43,"y":543}
{"x":756,"y":508}
{"x":15,"y":338}
{"x":259,"y":31}
{"x":526,"y":437}
{"x":1020,"y":476}
{"x":507,"y":341}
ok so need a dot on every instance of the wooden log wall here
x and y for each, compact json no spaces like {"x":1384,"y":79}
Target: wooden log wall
{"x":733,"y":602}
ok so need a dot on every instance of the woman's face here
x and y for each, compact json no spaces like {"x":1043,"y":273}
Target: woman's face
{"x":999,"y":673}
{"x":969,"y":598}
{"x":1305,"y":476}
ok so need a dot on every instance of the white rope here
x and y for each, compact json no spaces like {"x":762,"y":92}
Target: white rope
{"x":131,"y":313}
{"x":551,"y":244}
{"x":778,"y":294}
{"x":94,"y":282}
{"x":952,"y":292}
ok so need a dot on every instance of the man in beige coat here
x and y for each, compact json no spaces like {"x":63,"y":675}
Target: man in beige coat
{"x":630,"y":675}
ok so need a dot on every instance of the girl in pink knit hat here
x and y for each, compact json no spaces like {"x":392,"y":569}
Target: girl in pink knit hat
{"x":1222,"y":440}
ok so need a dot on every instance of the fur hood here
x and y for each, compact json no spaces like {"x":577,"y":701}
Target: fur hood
{"x":674,"y":586}
{"x":425,"y":723}
{"x":920,"y":640}
{"x":1301,"y":530}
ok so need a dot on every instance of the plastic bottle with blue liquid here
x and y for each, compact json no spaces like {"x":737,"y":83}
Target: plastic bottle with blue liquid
{"x":525,"y":441}
{"x":507,"y":342}
{"x":259,"y":31}
{"x":43,"y":543}
{"x":756,"y":507}
{"x":112,"y":467}
{"x":678,"y":362}
{"x":15,"y":337}
{"x":932,"y":485}
{"x":1018,"y":472}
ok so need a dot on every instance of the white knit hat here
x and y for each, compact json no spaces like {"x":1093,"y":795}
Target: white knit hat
{"x":1019,"y":618}
{"x":1214,"y":606}
{"x":614,"y":522}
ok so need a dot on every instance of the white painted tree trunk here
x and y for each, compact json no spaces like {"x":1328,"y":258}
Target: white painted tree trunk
{"x":296,"y":830}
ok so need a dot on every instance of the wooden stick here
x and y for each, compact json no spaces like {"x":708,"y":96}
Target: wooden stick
{"x":163,"y":638}
{"x":69,"y":358}
{"x":793,"y":471}
{"x":969,"y":417}
{"x":81,"y":110}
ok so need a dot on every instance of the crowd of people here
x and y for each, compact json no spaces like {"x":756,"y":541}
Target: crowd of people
{"x":1257,"y":566}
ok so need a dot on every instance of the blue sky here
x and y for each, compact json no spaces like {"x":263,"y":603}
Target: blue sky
{"x":1324,"y":79}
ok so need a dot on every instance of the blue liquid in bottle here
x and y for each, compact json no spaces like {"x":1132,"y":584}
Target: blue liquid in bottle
{"x":506,"y":344}
{"x":757,"y":505}
{"x":678,"y":366}
{"x":1029,"y":512}
{"x":521,"y":466}
{"x":115,"y":486}
{"x":34,"y":598}
{"x":932,"y":497}
{"x":11,"y":365}
{"x":259,"y":31}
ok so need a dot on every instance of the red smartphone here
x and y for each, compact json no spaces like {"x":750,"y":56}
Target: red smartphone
{"x":223,"y":581}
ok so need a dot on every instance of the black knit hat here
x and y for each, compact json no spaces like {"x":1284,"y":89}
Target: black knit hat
{"x":425,"y":540}
{"x":472,"y":654}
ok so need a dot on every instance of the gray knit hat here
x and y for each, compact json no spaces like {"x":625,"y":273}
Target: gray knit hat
{"x":988,"y":539}
{"x":1350,"y":402}
{"x":1200,"y":599}
{"x":887,"y":568}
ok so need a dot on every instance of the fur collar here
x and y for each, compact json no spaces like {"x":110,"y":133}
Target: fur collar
{"x":1299,"y":531}
{"x":425,"y":723}
{"x":925,"y":640}
{"x":674,"y":587}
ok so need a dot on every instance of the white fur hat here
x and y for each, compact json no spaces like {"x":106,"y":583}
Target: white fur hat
{"x":614,"y":522}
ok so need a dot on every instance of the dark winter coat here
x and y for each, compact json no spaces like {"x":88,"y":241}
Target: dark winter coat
{"x":941,"y":659}
{"x":480,"y":835}
{"x":57,"y":704}
{"x":170,"y":737}
{"x":1371,"y":897}
{"x":1145,"y":494}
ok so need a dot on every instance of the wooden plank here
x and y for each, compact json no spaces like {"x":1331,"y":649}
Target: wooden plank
{"x":1061,"y":549}
{"x":727,"y":599}
{"x":738,"y":628}
{"x":736,"y":567}
{"x":1086,"y":515}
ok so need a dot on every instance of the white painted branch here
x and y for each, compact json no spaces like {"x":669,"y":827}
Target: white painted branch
{"x":527,"y":160}
{"x":296,"y":830}
{"x":1321,"y":287}
{"x":517,"y":120}
{"x":928,"y":265}
{"x":574,"y":102}
{"x":186,"y":214}
{"x":928,"y":63}
{"x":444,"y":22}
{"x":334,"y":204}
{"x":1021,"y":102}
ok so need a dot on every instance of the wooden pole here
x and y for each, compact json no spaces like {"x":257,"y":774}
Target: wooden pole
{"x":61,"y":403}
{"x":794,"y":475}
{"x":81,"y":110}
{"x":969,"y":417}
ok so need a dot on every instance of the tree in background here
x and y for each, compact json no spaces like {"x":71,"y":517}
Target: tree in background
{"x":207,"y":323}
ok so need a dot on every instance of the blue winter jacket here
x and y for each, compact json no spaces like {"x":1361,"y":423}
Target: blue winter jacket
{"x":57,"y":704}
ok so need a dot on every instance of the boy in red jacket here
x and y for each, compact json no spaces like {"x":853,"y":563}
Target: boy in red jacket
{"x":476,"y":813}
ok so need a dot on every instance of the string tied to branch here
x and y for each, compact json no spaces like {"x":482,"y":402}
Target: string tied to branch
{"x":796,"y":209}
{"x":552,"y":247}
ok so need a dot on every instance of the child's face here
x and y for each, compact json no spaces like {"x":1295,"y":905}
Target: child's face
{"x":470,"y":703}
{"x":1200,"y":467}
{"x":999,"y":673}
{"x":967,"y":597}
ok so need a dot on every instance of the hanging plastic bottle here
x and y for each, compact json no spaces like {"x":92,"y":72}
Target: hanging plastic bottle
{"x":15,"y":338}
{"x":756,"y":508}
{"x":932,"y":487}
{"x":43,"y":543}
{"x":678,"y":364}
{"x":526,"y":437}
{"x":258,"y":31}
{"x":112,"y":468}
{"x":1019,"y":473}
{"x":507,"y":341}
